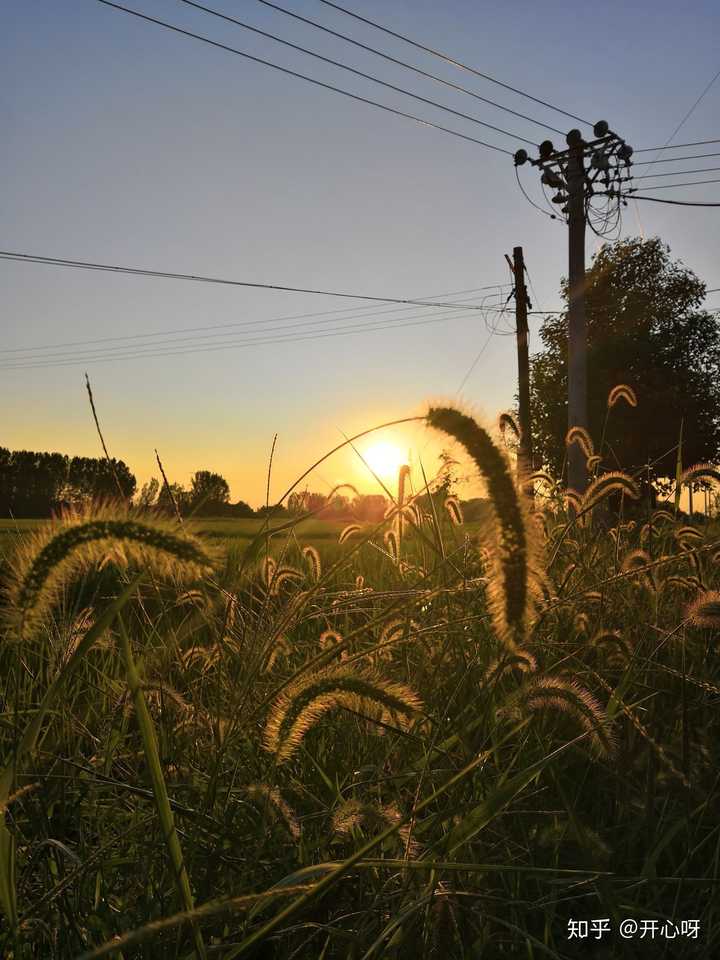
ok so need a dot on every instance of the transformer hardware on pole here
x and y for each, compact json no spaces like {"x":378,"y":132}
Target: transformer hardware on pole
{"x":583,"y":170}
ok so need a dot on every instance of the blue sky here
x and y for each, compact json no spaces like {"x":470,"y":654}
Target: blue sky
{"x":128,"y":144}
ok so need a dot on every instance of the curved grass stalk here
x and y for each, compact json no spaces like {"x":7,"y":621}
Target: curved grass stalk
{"x":305,"y":702}
{"x":48,"y":559}
{"x":508,"y":593}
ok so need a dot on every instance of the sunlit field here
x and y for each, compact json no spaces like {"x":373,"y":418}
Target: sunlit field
{"x":419,"y":738}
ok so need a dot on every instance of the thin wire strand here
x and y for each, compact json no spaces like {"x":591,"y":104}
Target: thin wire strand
{"x":301,"y":76}
{"x":350,"y":313}
{"x":530,"y":200}
{"x":229,"y":345}
{"x":695,"y":156}
{"x":676,"y":173}
{"x":675,"y":203}
{"x":452,"y":61}
{"x":675,"y":146}
{"x":672,"y":186}
{"x":354,"y":71}
{"x":141,"y":272}
{"x":312,"y":326}
{"x":385,"y":56}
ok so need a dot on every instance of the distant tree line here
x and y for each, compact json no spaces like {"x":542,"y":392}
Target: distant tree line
{"x":35,"y":484}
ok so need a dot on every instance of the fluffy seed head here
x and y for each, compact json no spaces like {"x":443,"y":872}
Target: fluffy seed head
{"x":508,"y":592}
{"x":313,"y":560}
{"x":701,"y":471}
{"x":391,"y":544}
{"x":621,"y":392}
{"x":347,"y":532}
{"x":78,"y":540}
{"x":607,"y":484}
{"x":507,"y":422}
{"x":304,"y":702}
{"x":582,"y":438}
{"x":705,"y":611}
{"x":452,"y":505}
{"x":566,"y":696}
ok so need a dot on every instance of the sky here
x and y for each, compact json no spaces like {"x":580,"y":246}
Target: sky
{"x":128,"y":144}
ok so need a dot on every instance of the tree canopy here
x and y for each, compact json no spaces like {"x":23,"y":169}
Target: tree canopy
{"x":646,"y":329}
{"x":33,"y":484}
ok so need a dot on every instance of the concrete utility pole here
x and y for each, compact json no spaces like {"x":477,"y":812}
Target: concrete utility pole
{"x":525,"y":453}
{"x":575,"y":180}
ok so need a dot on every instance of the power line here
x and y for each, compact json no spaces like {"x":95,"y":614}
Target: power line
{"x":530,"y":200}
{"x":138,"y":271}
{"x":452,"y":61}
{"x":696,"y":156}
{"x":358,"y":313}
{"x":672,"y":186}
{"x":301,"y":76}
{"x":675,"y":146}
{"x":692,"y":109}
{"x":675,"y":203}
{"x":390,"y":59}
{"x":676,"y":173}
{"x":685,"y":118}
{"x":163,"y":341}
{"x":227,"y":345}
{"x":308,"y":326}
{"x":357,"y":73}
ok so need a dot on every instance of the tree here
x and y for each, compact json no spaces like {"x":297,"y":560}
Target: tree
{"x":149,"y":494}
{"x":176,"y":493}
{"x":242,"y":509}
{"x":645,"y":329}
{"x":94,"y":477}
{"x":208,"y":491}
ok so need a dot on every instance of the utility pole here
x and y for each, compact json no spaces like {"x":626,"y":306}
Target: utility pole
{"x":525,"y":453}
{"x":577,"y":330}
{"x":566,"y":171}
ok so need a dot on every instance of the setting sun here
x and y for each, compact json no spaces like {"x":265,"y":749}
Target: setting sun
{"x":384,"y":459}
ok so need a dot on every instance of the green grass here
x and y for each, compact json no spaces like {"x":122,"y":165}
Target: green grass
{"x":359,"y":768}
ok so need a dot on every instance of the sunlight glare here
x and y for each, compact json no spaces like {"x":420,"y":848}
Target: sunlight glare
{"x":384,"y":459}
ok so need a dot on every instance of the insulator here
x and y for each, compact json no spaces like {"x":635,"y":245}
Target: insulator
{"x":600,"y":160}
{"x":601,"y":128}
{"x":521,"y":157}
{"x":546,"y":149}
{"x":574,"y":138}
{"x":625,"y":152}
{"x":551,"y":179}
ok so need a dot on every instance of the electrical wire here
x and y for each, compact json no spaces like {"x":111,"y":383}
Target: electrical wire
{"x":225,"y":329}
{"x":452,"y":61}
{"x":138,"y":271}
{"x":385,"y":56}
{"x":161,"y":341}
{"x":475,"y":362}
{"x":672,"y":186}
{"x":685,"y":118}
{"x":227,"y":345}
{"x":696,"y":156}
{"x":676,"y":173}
{"x":552,"y":216}
{"x":301,"y":76}
{"x":675,"y":146}
{"x":357,"y":73}
{"x":675,"y":203}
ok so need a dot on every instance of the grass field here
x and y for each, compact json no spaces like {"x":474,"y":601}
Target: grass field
{"x":424,"y":741}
